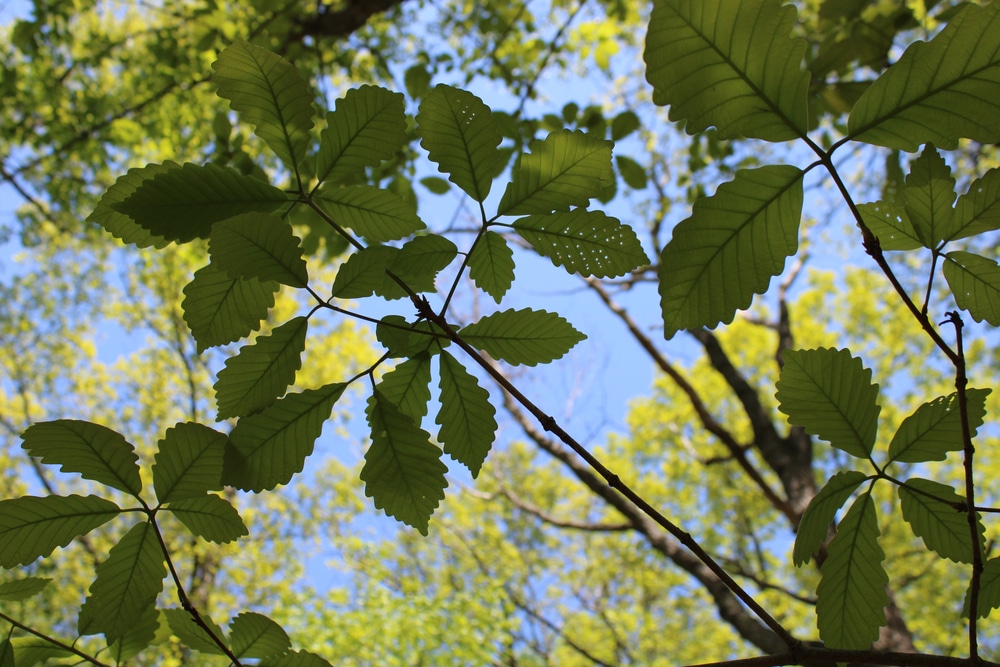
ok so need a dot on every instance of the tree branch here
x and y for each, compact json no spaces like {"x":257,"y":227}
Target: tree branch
{"x":343,"y":22}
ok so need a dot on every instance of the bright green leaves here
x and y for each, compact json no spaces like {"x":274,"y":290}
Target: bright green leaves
{"x":268,"y":92}
{"x":830,"y":394}
{"x":403,"y":472}
{"x":586,"y":242}
{"x":939,"y":91}
{"x":258,"y":245}
{"x":32,"y":527}
{"x":975,"y":282}
{"x":928,"y":197}
{"x":934,"y":513}
{"x":466,"y":416}
{"x":188,"y":462}
{"x":816,"y":520}
{"x":730,"y":247}
{"x":491,"y":265}
{"x":851,"y":595}
{"x":378,"y":215}
{"x":120,"y":225}
{"x":731,"y":64}
{"x":406,"y":386}
{"x":219,"y":309}
{"x":528,"y":337}
{"x":459,"y":133}
{"x":94,"y":451}
{"x":935,"y":428}
{"x":566,"y":169}
{"x":367,"y":127}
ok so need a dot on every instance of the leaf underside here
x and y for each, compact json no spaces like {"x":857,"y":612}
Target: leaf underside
{"x":219,"y":309}
{"x":943,"y":528}
{"x":491,"y":265}
{"x":527,"y":337}
{"x":188,"y":462}
{"x":822,"y":510}
{"x":935,"y":428}
{"x":367,"y":127}
{"x":466,"y":416}
{"x":32,"y":527}
{"x":94,"y":451}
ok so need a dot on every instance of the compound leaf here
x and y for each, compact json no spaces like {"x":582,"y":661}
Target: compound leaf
{"x":219,"y":309}
{"x":935,"y":428}
{"x":94,"y":451}
{"x":975,"y":283}
{"x":32,"y":527}
{"x":528,"y":337}
{"x":830,"y":394}
{"x":822,"y":509}
{"x":211,"y":517}
{"x":261,"y":246}
{"x":253,"y":635}
{"x":466,"y":416}
{"x":267,"y":448}
{"x":120,"y":225}
{"x":730,"y":247}
{"x":491,"y":265}
{"x":459,"y":133}
{"x":943,"y":528}
{"x":188,"y":462}
{"x":732,"y":64}
{"x":367,"y":127}
{"x":407,"y":386}
{"x":376,"y":214}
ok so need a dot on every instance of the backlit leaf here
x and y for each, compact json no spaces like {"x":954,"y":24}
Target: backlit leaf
{"x":22,"y":589}
{"x":928,"y":197}
{"x":528,"y":337}
{"x":139,"y":636}
{"x":466,"y":416}
{"x":491,"y":265}
{"x":938,"y":91}
{"x":632,"y":172}
{"x":268,"y":447}
{"x":32,"y":527}
{"x":258,"y":245}
{"x":295,"y":659}
{"x":193,"y":635}
{"x":407,"y":386}
{"x":219,"y":309}
{"x":851,"y":594}
{"x":458,"y":132}
{"x":120,"y":225}
{"x":253,"y":635}
{"x":830,"y":394}
{"x":975,"y":283}
{"x":585,"y":242}
{"x":30,"y":651}
{"x":989,"y":588}
{"x":822,"y":510}
{"x":367,"y":127}
{"x":188,"y":462}
{"x":943,"y":528}
{"x":364,"y":272}
{"x":730,"y":247}
{"x":403,"y":472}
{"x":261,"y":372}
{"x":211,"y":517}
{"x":94,"y":451}
{"x":935,"y":428}
{"x":376,"y":214}
{"x":978,"y":210}
{"x":891,"y":225}
{"x":729,"y":63}
{"x":417,"y":264}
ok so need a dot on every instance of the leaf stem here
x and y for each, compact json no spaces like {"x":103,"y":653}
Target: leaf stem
{"x":55,"y":642}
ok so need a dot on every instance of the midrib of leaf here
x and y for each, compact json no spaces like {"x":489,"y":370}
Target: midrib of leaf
{"x":543,"y":184}
{"x":281,"y":118}
{"x":343,"y":150}
{"x":278,"y":260}
{"x":468,"y":156}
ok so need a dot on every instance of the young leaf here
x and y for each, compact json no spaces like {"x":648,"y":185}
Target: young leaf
{"x":978,"y":210}
{"x":822,"y":509}
{"x":182,"y":203}
{"x":928,"y":195}
{"x":120,"y":225}
{"x":935,"y":428}
{"x":261,"y":372}
{"x":268,"y":447}
{"x":269,"y":93}
{"x":938,"y":91}
{"x":403,"y":471}
{"x":458,"y":132}
{"x":466,"y":416}
{"x":188,"y":462}
{"x":22,"y":589}
{"x":258,"y":245}
{"x":295,"y":659}
{"x":566,"y":169}
{"x":975,"y":283}
{"x":491,"y":265}
{"x":730,"y":247}
{"x":528,"y":337}
{"x":732,"y":64}
{"x":891,"y":225}
{"x":585,"y":242}
{"x":211,"y":517}
{"x":367,"y":127}
{"x":364,"y":272}
{"x":94,"y":451}
{"x":32,"y":527}
{"x":219,"y":309}
{"x":254,"y":635}
{"x":417,"y":264}
{"x":830,"y":394}
{"x":943,"y":528}
{"x":989,"y":589}
{"x":193,"y":635}
{"x":851,"y":596}
{"x":376,"y":214}
{"x":140,"y":635}
{"x":407,"y":386}
{"x":127,"y":584}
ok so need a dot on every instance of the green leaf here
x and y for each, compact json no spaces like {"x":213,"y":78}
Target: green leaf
{"x":585,"y":242}
{"x":623,"y":125}
{"x":437,"y":185}
{"x":466,"y":417}
{"x":295,"y":659}
{"x":938,"y":91}
{"x":632,"y":172}
{"x":566,"y":169}
{"x":254,"y":635}
{"x":458,"y":132}
{"x":32,"y":527}
{"x":975,"y":283}
{"x":261,"y":246}
{"x":851,"y":595}
{"x":376,"y":214}
{"x":405,"y":339}
{"x":491,"y":265}
{"x":261,"y":372}
{"x":193,"y":635}
{"x":935,"y":428}
{"x":528,"y":337}
{"x":944,"y":529}
{"x":417,"y":79}
{"x":364,"y":272}
{"x":182,"y":203}
{"x":928,"y":196}
{"x":211,"y":517}
{"x":417,"y":264}
{"x":127,"y":584}
{"x":6,"y":653}
{"x":367,"y":127}
{"x":188,"y":462}
{"x":139,"y":636}
{"x":891,"y":225}
{"x":268,"y":447}
{"x":407,"y":386}
{"x":30,"y":651}
{"x":120,"y":225}
{"x":732,"y":64}
{"x":816,"y":520}
{"x":978,"y":210}
{"x":219,"y":309}
{"x":830,"y":394}
{"x":730,"y":247}
{"x":403,"y":471}
{"x":22,"y":589}
{"x":269,"y":93}
{"x":94,"y":451}
{"x":989,"y":589}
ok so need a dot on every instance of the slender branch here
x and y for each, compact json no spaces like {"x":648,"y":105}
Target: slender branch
{"x":820,"y":656}
{"x":552,"y":520}
{"x":55,"y":642}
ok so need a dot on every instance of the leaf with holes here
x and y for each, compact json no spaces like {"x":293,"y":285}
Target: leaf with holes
{"x":935,"y":428}
{"x":822,"y":509}
{"x":930,"y":509}
{"x":188,"y":462}
{"x":491,"y":265}
{"x":94,"y":451}
{"x":466,"y":416}
{"x":975,"y":283}
{"x":258,"y":245}
{"x":219,"y":309}
{"x":32,"y":527}
{"x":528,"y":337}
{"x":367,"y":127}
{"x":891,"y":225}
